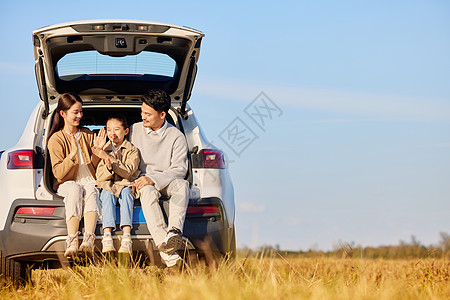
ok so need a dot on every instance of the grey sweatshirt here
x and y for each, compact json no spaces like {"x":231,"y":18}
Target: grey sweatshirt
{"x":163,"y":153}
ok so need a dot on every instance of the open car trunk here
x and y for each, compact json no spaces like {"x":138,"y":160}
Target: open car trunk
{"x":116,"y":58}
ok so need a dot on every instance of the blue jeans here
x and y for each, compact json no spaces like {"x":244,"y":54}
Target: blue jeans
{"x":126,"y":201}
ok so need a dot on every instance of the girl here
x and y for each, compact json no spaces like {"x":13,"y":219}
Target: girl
{"x":118,"y":168}
{"x":73,"y":166}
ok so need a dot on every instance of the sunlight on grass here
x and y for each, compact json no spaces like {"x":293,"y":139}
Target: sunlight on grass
{"x":262,"y":277}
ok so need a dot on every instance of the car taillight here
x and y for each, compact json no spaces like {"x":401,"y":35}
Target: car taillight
{"x":20,"y":159}
{"x":202,"y":209}
{"x":213,"y":159}
{"x":35,"y":210}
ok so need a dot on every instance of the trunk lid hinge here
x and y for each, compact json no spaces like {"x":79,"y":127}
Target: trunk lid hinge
{"x":42,"y":87}
{"x":187,"y":87}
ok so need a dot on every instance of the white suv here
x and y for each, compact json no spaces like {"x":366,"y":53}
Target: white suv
{"x":110,"y":64}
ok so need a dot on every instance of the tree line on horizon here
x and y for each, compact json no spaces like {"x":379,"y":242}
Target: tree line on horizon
{"x":404,"y":250}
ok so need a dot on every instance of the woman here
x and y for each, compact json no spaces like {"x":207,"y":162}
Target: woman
{"x":73,"y":166}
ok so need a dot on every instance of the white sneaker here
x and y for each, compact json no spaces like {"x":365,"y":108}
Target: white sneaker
{"x":71,"y":245}
{"x":107,"y":243}
{"x":87,"y":245}
{"x":126,"y":244}
{"x":170,"y":260}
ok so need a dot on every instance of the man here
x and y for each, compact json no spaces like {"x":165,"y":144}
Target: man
{"x":163,"y":151}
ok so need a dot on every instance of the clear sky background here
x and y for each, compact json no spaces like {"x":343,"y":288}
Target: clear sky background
{"x":361,"y":150}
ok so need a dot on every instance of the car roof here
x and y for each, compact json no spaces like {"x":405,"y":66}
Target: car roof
{"x":84,"y":22}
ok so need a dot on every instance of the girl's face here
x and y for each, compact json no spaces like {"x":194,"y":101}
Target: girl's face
{"x":73,"y":115}
{"x":116,"y":132}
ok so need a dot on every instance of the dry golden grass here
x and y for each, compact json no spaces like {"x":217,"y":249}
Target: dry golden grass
{"x":263,"y":277}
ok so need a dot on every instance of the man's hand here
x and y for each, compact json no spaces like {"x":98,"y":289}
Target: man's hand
{"x":143,"y":181}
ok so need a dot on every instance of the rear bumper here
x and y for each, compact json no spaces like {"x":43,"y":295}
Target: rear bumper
{"x":40,"y":238}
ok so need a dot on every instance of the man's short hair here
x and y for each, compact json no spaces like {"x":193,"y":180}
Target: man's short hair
{"x":157,"y":99}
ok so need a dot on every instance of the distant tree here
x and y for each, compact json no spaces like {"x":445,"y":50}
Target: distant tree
{"x":444,"y":243}
{"x":415,"y":241}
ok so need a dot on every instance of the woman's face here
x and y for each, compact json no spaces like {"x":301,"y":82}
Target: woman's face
{"x":116,"y":132}
{"x":73,"y":115}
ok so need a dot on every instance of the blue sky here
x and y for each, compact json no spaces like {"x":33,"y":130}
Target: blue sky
{"x":361,"y":149}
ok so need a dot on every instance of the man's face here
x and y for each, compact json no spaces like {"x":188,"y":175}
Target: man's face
{"x":151,"y":118}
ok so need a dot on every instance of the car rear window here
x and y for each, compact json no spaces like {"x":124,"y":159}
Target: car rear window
{"x":74,"y":65}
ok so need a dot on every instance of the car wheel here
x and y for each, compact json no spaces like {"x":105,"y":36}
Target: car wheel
{"x":233,"y":244}
{"x":14,"y":271}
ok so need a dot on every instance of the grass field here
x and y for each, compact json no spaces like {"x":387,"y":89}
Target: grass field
{"x":264,"y":277}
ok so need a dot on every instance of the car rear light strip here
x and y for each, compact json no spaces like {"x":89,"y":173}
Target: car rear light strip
{"x":35,"y":210}
{"x":202,"y":209}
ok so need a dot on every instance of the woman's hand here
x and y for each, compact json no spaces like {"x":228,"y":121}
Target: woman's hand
{"x":100,"y":139}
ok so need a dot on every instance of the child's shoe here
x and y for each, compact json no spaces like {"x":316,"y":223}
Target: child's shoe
{"x":126,"y":244}
{"x":87,"y":246}
{"x":71,"y":245}
{"x":107,"y":243}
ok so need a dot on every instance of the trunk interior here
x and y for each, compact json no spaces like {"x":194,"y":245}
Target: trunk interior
{"x":95,"y":118}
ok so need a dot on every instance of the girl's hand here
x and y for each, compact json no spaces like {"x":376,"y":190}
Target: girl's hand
{"x":100,"y":140}
{"x":108,"y":163}
{"x":73,"y":147}
{"x":101,"y":153}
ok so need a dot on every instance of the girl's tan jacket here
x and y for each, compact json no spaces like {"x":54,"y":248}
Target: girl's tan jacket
{"x":125,"y":168}
{"x":64,"y":168}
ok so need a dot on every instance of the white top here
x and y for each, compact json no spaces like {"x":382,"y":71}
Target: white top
{"x":84,"y":176}
{"x":114,"y":148}
{"x":159,"y":132}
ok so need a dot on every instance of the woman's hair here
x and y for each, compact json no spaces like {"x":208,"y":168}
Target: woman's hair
{"x":65,"y":102}
{"x":119,"y":118}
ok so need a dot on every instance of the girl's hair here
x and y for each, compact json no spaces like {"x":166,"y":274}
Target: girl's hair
{"x":119,"y":118}
{"x":65,"y":102}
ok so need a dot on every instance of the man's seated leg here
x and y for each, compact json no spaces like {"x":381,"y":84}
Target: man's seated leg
{"x":158,"y":229}
{"x":178,"y":191}
{"x":153,"y":214}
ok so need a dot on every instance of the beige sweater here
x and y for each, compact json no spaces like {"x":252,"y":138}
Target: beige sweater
{"x":64,"y":168}
{"x":163,"y":154}
{"x":125,"y":168}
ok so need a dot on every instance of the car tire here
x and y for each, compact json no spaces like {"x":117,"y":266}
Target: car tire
{"x":14,"y":271}
{"x":233,"y":245}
